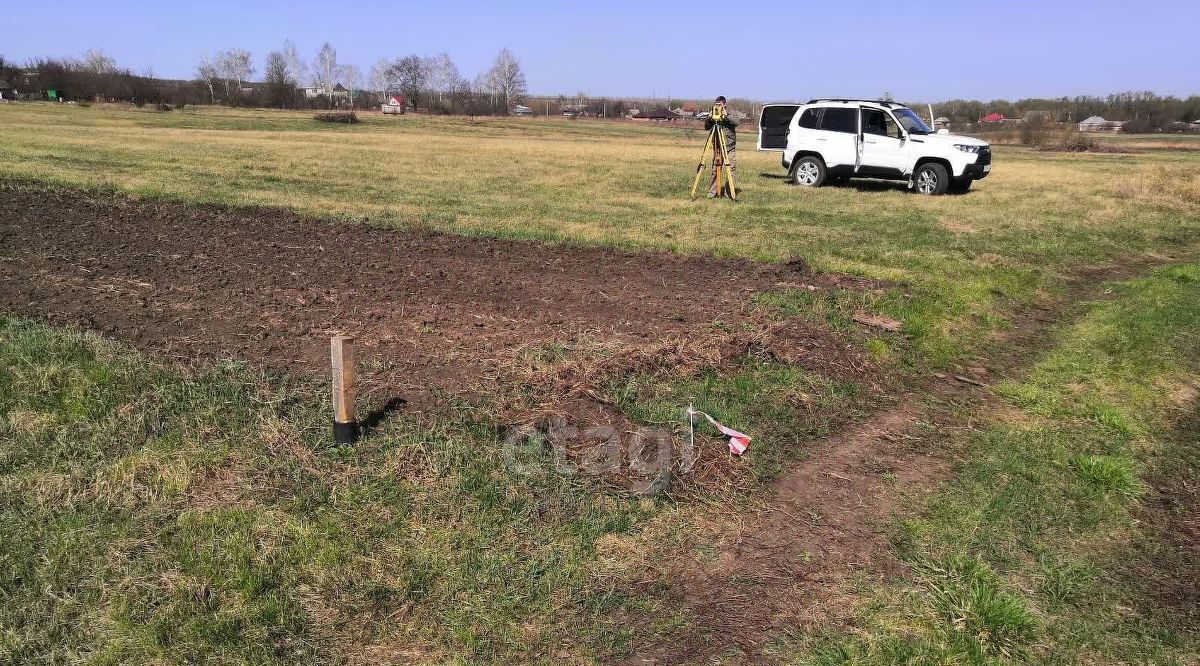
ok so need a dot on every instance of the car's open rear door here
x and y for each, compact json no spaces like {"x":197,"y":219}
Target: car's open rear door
{"x":773,"y":126}
{"x":858,"y":141}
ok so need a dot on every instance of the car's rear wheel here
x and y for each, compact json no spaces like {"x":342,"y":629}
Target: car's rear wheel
{"x":931,"y":178}
{"x":808,"y":171}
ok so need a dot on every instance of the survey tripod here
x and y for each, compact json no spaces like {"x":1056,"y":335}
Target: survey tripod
{"x":715,"y":146}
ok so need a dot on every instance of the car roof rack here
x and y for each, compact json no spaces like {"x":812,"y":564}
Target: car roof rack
{"x":884,"y":103}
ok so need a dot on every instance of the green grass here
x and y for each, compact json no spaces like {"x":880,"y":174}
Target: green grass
{"x":153,"y":515}
{"x":1030,"y":552}
{"x":785,"y":403}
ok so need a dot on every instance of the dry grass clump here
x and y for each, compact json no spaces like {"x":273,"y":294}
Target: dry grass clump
{"x":349,"y":118}
{"x":1074,"y":142}
{"x":1176,"y":184}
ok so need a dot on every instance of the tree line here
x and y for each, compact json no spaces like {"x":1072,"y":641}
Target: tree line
{"x":431,"y":83}
{"x":94,"y":75}
{"x":434,"y":84}
{"x":1142,"y":111}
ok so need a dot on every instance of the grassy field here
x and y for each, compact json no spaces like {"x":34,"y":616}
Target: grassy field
{"x":625,"y":184}
{"x":158,"y":514}
{"x":1038,"y":549}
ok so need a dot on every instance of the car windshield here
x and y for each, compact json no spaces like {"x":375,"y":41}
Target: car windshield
{"x":911,"y":122}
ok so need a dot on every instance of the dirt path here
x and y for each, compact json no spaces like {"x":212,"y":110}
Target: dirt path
{"x":435,"y":315}
{"x":780,"y":571}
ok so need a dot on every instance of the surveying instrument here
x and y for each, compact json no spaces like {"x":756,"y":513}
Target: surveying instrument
{"x":715,"y":146}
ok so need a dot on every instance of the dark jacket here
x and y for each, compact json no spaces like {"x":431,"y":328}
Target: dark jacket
{"x":728,"y":128}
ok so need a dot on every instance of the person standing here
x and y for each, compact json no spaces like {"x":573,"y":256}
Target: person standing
{"x":728,"y":130}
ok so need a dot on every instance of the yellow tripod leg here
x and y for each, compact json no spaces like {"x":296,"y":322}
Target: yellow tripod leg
{"x":700,"y":167}
{"x":725,"y":166}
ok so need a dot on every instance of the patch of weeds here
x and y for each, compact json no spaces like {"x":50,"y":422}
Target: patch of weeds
{"x":878,"y":350}
{"x":1064,"y":581}
{"x":982,"y":618}
{"x":1109,"y":476}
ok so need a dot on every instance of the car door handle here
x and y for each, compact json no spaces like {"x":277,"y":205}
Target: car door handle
{"x":871,"y":141}
{"x":821,"y":138}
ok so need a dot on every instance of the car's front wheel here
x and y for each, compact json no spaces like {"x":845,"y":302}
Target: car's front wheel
{"x":931,"y":178}
{"x":808,"y":171}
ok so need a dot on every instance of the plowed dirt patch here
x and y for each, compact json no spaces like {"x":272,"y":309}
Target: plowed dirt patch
{"x":435,"y":315}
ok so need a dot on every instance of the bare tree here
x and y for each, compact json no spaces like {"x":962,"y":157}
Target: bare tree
{"x":297,"y":69}
{"x":208,"y":73}
{"x":482,"y":85}
{"x":410,"y":76}
{"x":281,"y":88}
{"x":381,"y":78}
{"x":352,"y":77}
{"x":234,"y":67}
{"x":8,"y":70}
{"x":326,"y":70}
{"x":443,"y":75}
{"x":506,"y":79}
{"x":97,"y":62}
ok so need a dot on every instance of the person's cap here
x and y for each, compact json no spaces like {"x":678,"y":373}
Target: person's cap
{"x":720,"y":98}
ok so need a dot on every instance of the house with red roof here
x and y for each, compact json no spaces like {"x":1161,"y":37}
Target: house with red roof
{"x":395,"y":104}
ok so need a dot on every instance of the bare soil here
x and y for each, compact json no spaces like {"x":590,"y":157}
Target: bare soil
{"x":435,"y":316}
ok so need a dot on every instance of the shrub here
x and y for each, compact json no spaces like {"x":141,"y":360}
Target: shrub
{"x":1077,"y":143}
{"x":1035,"y":131}
{"x":348,"y":118}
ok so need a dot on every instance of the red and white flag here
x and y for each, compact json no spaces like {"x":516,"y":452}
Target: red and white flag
{"x":738,"y":441}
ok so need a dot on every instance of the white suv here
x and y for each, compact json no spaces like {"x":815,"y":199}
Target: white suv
{"x":828,"y":140}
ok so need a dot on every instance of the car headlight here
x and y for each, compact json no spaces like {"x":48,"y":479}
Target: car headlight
{"x":967,"y":149}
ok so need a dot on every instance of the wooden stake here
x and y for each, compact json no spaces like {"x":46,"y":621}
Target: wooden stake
{"x":341,"y":356}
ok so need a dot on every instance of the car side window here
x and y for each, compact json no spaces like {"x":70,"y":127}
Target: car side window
{"x":810,"y":118}
{"x":890,"y":127}
{"x":872,"y":122}
{"x":840,"y":119}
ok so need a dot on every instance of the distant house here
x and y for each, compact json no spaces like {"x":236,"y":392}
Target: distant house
{"x":521,"y":110}
{"x":339,"y":92}
{"x":573,"y":110}
{"x":657,"y":115}
{"x":1194,"y":126}
{"x":941,"y":122}
{"x":395,"y":105}
{"x":689,"y":109}
{"x":1098,"y":124}
{"x":7,"y":91}
{"x":999,"y":119}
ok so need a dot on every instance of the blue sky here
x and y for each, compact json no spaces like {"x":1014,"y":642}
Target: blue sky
{"x":763,"y":50}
